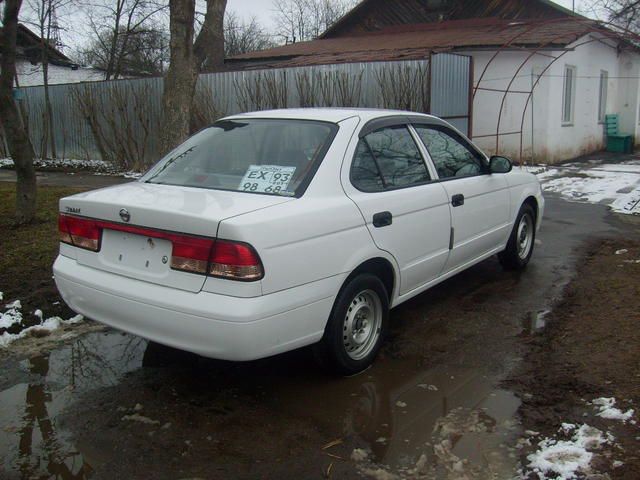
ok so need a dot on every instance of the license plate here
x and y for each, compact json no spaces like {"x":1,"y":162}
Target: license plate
{"x":132,"y":252}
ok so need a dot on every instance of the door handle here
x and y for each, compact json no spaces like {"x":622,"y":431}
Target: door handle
{"x":382,"y":219}
{"x":457,"y":200}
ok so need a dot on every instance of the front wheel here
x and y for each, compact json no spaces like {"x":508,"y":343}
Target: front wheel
{"x":522,"y":240}
{"x":356,"y":327}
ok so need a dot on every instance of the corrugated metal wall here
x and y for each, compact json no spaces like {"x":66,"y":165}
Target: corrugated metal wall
{"x":122,"y":117}
{"x":450,"y":89}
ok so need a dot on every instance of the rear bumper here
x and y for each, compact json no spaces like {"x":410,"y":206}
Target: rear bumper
{"x":208,"y":324}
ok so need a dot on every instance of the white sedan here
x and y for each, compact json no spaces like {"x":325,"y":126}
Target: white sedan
{"x":270,"y":231}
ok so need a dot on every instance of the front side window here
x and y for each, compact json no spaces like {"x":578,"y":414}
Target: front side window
{"x":275,"y":157}
{"x":388,"y":159}
{"x":451,"y":156}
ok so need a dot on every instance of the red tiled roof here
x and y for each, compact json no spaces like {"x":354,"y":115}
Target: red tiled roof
{"x":416,"y":41}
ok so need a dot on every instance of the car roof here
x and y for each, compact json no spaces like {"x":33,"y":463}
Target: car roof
{"x":334,"y":115}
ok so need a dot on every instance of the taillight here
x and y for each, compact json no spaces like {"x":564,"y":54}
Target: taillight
{"x":235,"y":260}
{"x":218,"y":258}
{"x":79,"y":232}
{"x":190,"y":254}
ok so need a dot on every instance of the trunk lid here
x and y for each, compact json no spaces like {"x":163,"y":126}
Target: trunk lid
{"x":183,"y":210}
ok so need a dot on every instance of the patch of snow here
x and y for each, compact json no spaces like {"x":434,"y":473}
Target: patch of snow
{"x":131,"y":174}
{"x":400,"y":404}
{"x":13,"y":316}
{"x":136,"y":417}
{"x":431,"y":388}
{"x":0,"y":296}
{"x":16,"y":304}
{"x":379,"y":474}
{"x":534,"y":169}
{"x":631,"y":167}
{"x":565,"y":459}
{"x":616,"y":185}
{"x":71,"y":163}
{"x":359,"y":455}
{"x":622,"y":251}
{"x":606,"y":409}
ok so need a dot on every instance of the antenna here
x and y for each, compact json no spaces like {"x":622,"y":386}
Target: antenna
{"x":54,"y":39}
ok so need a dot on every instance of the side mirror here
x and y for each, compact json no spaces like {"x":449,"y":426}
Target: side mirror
{"x":499,"y":164}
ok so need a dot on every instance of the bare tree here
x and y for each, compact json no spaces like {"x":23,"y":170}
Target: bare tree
{"x":302,"y":20}
{"x":49,"y":30}
{"x":186,"y":59}
{"x":141,"y":52}
{"x":116,"y":27}
{"x":623,"y":13}
{"x":244,"y":36}
{"x":17,"y":139}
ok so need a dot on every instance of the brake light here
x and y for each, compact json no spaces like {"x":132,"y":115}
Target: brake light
{"x":190,"y":254}
{"x":218,"y":258}
{"x":79,"y":232}
{"x":235,"y":260}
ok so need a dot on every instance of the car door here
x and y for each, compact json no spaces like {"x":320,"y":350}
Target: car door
{"x":479,"y":201}
{"x":406,"y":211}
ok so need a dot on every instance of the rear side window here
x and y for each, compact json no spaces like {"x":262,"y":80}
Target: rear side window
{"x":451,"y":155}
{"x":275,"y":157}
{"x":388,"y":159}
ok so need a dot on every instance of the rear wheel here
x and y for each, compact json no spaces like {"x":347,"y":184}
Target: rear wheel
{"x":522,"y":240}
{"x":356,"y":327}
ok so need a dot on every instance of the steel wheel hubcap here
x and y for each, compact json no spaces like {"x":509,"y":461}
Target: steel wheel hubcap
{"x":362,"y":322}
{"x":525,"y":236}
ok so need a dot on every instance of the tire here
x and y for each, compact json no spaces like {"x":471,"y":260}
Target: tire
{"x":356,"y":327}
{"x":521,"y":241}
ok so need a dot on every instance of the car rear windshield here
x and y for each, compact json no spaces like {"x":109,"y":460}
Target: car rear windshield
{"x":264,"y":156}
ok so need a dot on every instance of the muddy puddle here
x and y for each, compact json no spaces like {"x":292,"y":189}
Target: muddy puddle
{"x":405,"y":417}
{"x":108,"y":405}
{"x":32,"y":443}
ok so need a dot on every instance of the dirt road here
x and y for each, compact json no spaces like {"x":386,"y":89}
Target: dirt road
{"x":107,"y":405}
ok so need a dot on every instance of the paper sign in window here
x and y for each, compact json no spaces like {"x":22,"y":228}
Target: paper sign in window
{"x":267,"y":179}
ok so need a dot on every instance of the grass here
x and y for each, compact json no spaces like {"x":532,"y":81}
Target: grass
{"x":27,"y":253}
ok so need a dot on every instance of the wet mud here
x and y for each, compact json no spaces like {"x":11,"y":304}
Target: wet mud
{"x":110,"y":405}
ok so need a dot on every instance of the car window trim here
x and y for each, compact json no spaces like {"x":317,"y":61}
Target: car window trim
{"x":433,"y":173}
{"x":382,"y":126}
{"x":460,"y":139}
{"x":375,"y":161}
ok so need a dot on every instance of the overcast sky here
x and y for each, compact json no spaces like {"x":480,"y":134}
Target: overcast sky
{"x":77,"y":31}
{"x":263,"y":9}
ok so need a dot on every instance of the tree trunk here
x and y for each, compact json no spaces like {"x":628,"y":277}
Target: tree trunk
{"x":180,"y":82}
{"x":45,"y":79}
{"x":114,"y":40}
{"x":49,"y":143}
{"x":185,"y":61}
{"x":17,"y":139}
{"x":209,"y":46}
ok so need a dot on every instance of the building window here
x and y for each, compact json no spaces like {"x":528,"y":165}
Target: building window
{"x":569,"y":94}
{"x":602,"y":102}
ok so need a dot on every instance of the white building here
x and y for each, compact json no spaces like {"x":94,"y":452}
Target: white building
{"x":580,"y":69}
{"x":576,"y":87}
{"x":61,"y":68}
